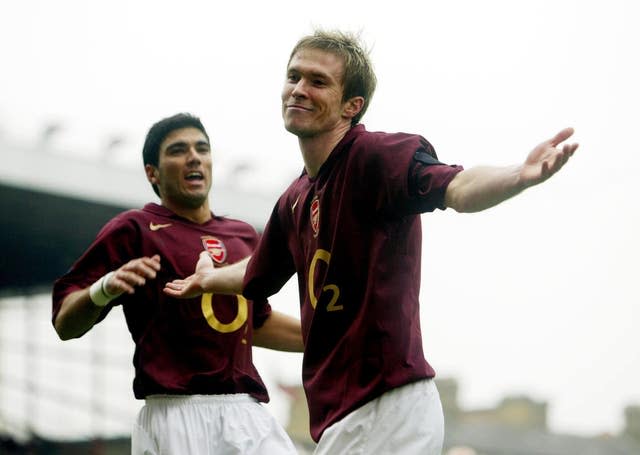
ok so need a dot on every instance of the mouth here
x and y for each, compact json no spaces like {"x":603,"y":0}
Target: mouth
{"x":194,"y":176}
{"x":297,"y":107}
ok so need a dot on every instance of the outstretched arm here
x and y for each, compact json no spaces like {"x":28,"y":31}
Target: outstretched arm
{"x":480,"y":188}
{"x":81,"y":309}
{"x":223,"y":280}
{"x":280,"y":332}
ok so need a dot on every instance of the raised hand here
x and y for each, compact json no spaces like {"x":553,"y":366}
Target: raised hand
{"x":134,"y":273}
{"x":547,"y":158}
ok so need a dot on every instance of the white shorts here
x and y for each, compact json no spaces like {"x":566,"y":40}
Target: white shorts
{"x":407,"y":420}
{"x":207,"y":424}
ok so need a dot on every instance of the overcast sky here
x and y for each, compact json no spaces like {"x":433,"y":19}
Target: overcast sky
{"x":538,"y":296}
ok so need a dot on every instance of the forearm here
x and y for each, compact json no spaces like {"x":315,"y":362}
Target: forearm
{"x":280,"y":332}
{"x":226,"y":280}
{"x":77,"y":315}
{"x":480,"y":188}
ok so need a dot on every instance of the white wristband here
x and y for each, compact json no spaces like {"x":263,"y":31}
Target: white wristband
{"x":98,"y":293}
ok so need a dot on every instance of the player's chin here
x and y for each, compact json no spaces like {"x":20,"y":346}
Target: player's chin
{"x":298,"y":129}
{"x":195,"y":199}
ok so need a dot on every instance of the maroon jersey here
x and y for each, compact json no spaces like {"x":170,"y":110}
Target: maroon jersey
{"x":194,"y":346}
{"x":353,"y":236}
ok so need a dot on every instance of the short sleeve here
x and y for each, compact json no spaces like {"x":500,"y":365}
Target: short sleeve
{"x":428,"y":180}
{"x":112,"y":247}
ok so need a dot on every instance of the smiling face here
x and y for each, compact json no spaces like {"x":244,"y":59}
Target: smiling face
{"x":312,"y":95}
{"x":183,"y":173}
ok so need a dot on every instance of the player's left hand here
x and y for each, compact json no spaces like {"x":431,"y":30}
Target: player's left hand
{"x":547,"y":158}
{"x":193,"y":285}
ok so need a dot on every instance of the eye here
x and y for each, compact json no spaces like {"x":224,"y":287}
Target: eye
{"x":177,"y":150}
{"x":292,"y":77}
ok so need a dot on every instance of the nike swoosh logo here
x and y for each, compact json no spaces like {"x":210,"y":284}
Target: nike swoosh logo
{"x":156,"y":227}
{"x":293,"y":207}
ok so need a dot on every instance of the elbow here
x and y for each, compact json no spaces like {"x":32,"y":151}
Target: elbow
{"x":453,"y":197}
{"x":457,"y":203}
{"x":461,"y":207}
{"x":64,"y":333}
{"x":65,"y":337}
{"x":461,"y":196}
{"x":457,"y":207}
{"x":461,"y":201}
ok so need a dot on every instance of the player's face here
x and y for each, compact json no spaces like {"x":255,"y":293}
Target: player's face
{"x":312,"y":94}
{"x":184,"y":168}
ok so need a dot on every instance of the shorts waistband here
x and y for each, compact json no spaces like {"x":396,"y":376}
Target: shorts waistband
{"x":184,"y":399}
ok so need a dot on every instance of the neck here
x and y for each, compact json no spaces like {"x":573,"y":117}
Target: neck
{"x":198,"y":215}
{"x":316,"y":149}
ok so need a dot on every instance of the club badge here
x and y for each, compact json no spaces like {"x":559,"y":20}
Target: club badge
{"x":216,"y":249}
{"x":315,"y":215}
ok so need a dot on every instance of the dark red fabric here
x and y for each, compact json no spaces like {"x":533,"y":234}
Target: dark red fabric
{"x":177,"y":351}
{"x":353,"y":236}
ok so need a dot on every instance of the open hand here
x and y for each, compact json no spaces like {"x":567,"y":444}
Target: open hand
{"x":193,"y":285}
{"x":547,"y":158}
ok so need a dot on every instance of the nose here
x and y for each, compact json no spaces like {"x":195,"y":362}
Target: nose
{"x":193,"y":156}
{"x":299,"y":89}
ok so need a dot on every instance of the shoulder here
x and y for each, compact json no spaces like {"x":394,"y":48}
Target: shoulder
{"x":231,"y":227}
{"x":374,"y":153}
{"x":124,"y":221}
{"x":231,"y":223}
{"x":371,"y":149}
{"x":383,"y":142}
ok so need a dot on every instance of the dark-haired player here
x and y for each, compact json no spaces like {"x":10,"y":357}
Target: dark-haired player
{"x":193,"y":361}
{"x":349,"y":227}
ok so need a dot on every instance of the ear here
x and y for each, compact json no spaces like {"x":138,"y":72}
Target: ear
{"x":352,"y":107}
{"x":152,"y":173}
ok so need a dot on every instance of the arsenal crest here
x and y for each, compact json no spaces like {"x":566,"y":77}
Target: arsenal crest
{"x":216,"y":249}
{"x":315,"y":215}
